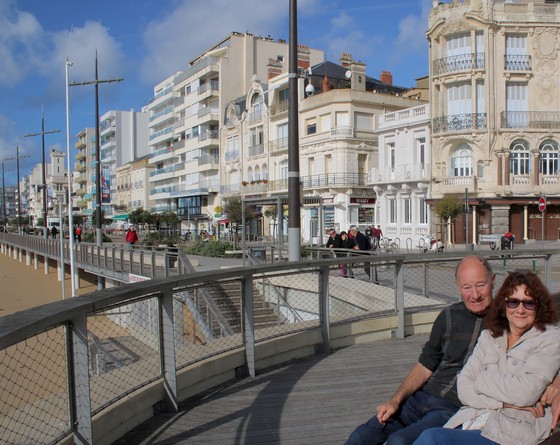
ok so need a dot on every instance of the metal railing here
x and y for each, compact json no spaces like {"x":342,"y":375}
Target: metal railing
{"x":530,"y":119}
{"x":459,"y":62}
{"x":459,"y":122}
{"x":66,"y":362}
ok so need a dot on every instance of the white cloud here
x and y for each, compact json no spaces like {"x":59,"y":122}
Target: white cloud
{"x":21,"y":40}
{"x":412,"y":33}
{"x":195,"y":26}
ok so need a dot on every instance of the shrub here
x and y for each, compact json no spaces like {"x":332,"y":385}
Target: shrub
{"x":207,"y":248}
{"x":90,"y":238}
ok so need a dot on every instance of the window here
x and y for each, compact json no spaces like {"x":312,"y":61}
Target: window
{"x":423,"y":206}
{"x":256,"y":136}
{"x":459,"y":100}
{"x":520,"y":160}
{"x":459,"y":45}
{"x":407,"y":207}
{"x":516,"y":53}
{"x":283,"y":95}
{"x":364,"y":121}
{"x":284,"y":170}
{"x":461,"y":161}
{"x":392,"y":210}
{"x":325,"y":120}
{"x":342,"y":119}
{"x":392,"y":154}
{"x":480,"y":169}
{"x":548,"y":157}
{"x":516,"y":105}
{"x":421,"y":150}
{"x":311,"y":126}
{"x":188,"y":89}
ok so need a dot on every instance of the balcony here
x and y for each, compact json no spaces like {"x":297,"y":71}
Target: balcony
{"x":278,"y":145}
{"x":208,"y":114}
{"x":256,"y":150}
{"x":255,"y":116}
{"x":459,"y":122}
{"x":460,"y":62}
{"x":80,"y":155}
{"x":518,"y":63}
{"x":208,"y":135}
{"x":208,"y":162}
{"x":342,"y":132}
{"x":212,"y":87}
{"x":400,"y":173}
{"x":539,"y":120}
{"x":232,"y":156}
{"x":335,"y":180}
{"x":279,"y":107}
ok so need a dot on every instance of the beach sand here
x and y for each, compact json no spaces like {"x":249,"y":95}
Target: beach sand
{"x":23,"y":287}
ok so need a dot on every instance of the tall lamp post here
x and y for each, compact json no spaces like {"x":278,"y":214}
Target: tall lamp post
{"x":69,"y":201}
{"x":17,"y":158}
{"x":294,"y":200}
{"x":96,"y":82}
{"x":4,"y":208}
{"x":43,"y":167}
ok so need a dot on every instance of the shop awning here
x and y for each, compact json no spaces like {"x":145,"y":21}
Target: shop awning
{"x":123,"y":217}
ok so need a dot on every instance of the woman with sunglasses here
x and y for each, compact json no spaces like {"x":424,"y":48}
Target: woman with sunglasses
{"x":515,"y":359}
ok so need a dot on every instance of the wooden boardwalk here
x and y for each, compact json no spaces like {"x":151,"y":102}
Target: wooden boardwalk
{"x":318,"y":400}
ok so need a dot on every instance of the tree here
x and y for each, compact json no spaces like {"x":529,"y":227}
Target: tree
{"x":233,"y":209}
{"x":169,"y":218}
{"x":449,"y":208}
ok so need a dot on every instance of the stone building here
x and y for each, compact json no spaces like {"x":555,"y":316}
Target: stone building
{"x":495,"y":116}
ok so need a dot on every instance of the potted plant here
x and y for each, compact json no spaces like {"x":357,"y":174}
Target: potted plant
{"x":245,"y":183}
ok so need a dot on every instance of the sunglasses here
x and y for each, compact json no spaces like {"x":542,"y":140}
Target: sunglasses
{"x":513,"y":303}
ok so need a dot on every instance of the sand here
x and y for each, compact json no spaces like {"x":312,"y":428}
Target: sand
{"x":23,"y":287}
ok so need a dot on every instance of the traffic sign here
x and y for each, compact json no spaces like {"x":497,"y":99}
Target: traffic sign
{"x":542,"y":203}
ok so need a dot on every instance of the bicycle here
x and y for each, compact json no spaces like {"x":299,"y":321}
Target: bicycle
{"x":387,"y":245}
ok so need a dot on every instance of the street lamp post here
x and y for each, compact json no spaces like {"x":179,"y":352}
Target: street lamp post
{"x":294,"y":200}
{"x":96,"y":82}
{"x":69,"y":202}
{"x":4,"y":209}
{"x":43,"y":167}
{"x":16,"y":158}
{"x":99,"y":230}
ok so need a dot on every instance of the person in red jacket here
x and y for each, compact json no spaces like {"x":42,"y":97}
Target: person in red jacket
{"x":131,"y":236}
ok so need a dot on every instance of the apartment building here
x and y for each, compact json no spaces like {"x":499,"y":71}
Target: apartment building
{"x":123,"y":138}
{"x":188,"y":112}
{"x":84,"y":171}
{"x":403,"y":175}
{"x":495,"y":113}
{"x":133,"y":187}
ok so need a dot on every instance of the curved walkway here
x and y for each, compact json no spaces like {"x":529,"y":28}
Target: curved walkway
{"x":319,"y":400}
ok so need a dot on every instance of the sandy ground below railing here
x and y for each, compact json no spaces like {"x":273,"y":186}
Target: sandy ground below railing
{"x":23,"y":287}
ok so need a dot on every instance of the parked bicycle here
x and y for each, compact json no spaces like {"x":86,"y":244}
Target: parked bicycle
{"x":429,"y":244}
{"x":388,"y":245}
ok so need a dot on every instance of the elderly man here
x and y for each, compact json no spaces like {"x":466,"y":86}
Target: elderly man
{"x":428,"y":396}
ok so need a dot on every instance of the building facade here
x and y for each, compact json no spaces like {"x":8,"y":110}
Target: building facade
{"x":403,"y":175}
{"x":495,"y":105}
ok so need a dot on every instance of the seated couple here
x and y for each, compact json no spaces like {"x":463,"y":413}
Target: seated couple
{"x":487,"y":390}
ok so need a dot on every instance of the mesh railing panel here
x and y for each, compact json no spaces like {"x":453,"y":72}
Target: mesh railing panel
{"x":207,"y":321}
{"x":34,"y":406}
{"x":124,"y":350}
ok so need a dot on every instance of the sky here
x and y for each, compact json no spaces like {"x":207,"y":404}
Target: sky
{"x":145,"y":41}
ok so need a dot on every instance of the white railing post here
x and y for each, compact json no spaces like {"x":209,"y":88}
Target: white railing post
{"x":324,"y":313}
{"x":248,"y":322}
{"x":399,"y":297}
{"x":168,"y":365}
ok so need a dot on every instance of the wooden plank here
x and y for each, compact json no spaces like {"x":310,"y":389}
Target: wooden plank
{"x":318,"y":400}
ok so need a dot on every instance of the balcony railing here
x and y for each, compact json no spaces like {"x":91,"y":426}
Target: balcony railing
{"x":255,"y":116}
{"x":256,"y":150}
{"x":342,"y":132}
{"x":460,"y":62}
{"x":208,"y":134}
{"x":213,"y":85}
{"x":530,"y":119}
{"x":232,"y":155}
{"x":334,"y":180}
{"x":278,"y":144}
{"x":515,"y":62}
{"x":279,"y":107}
{"x":208,"y":159}
{"x":459,"y":122}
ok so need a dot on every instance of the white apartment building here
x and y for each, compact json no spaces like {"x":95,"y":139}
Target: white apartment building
{"x":495,"y":106}
{"x":84,"y":170}
{"x":123,"y":138}
{"x":187,"y":114}
{"x":403,"y":176}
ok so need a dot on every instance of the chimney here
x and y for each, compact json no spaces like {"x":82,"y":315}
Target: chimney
{"x":386,"y":77}
{"x":326,"y":84}
{"x":303,"y":57}
{"x":358,"y":79}
{"x":346,"y":60}
{"x":273,"y":68}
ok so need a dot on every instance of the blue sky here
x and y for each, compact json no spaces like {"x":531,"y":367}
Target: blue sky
{"x":144,"y":41}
